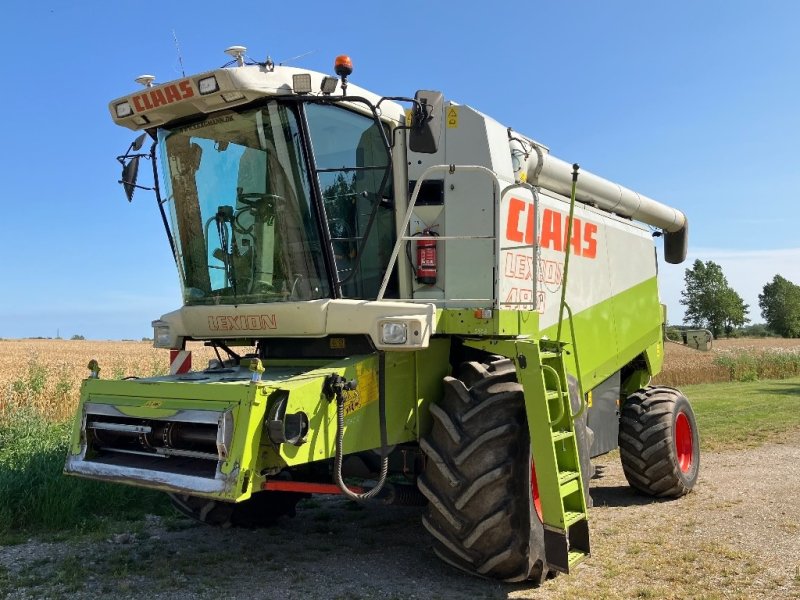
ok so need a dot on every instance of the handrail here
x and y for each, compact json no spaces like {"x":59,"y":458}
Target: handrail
{"x":584,"y":403}
{"x":410,"y":211}
{"x":560,"y":392}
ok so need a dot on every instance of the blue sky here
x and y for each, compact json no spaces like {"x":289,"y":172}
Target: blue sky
{"x":693,"y":103}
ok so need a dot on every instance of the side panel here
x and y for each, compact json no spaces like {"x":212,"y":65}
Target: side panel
{"x":603,"y":415}
{"x":611,"y":288}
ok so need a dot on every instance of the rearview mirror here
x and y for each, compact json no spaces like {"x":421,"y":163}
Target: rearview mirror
{"x":130,"y":166}
{"x":130,"y":171}
{"x":426,"y":126}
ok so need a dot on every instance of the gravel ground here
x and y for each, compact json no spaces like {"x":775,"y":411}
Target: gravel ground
{"x":736,"y":536}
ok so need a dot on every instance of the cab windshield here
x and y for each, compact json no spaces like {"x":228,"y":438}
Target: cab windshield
{"x":241,"y":200}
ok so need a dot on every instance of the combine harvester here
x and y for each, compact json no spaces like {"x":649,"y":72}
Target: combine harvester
{"x":400,"y":291}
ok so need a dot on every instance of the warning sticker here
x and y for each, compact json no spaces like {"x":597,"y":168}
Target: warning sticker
{"x":589,"y":399}
{"x":452,"y":117}
{"x":408,"y":117}
{"x":366,"y":391}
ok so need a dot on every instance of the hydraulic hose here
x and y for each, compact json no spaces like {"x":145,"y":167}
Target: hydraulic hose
{"x":337,"y":469}
{"x":337,"y":466}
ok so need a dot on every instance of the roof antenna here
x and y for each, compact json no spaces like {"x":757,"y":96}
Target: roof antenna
{"x":294,"y":58}
{"x":178,"y":50}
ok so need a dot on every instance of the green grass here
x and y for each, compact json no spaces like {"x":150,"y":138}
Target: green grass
{"x":740,"y":415}
{"x":36,"y":497}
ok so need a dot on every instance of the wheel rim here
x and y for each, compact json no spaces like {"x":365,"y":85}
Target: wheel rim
{"x":537,"y":501}
{"x":684,"y":443}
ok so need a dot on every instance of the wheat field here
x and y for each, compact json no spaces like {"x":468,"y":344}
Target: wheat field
{"x":45,"y":375}
{"x":684,"y":366}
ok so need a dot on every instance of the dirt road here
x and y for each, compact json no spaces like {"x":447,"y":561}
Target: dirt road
{"x":736,"y":536}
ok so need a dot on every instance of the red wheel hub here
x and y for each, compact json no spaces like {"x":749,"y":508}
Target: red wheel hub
{"x":537,"y":501}
{"x":684,"y":442}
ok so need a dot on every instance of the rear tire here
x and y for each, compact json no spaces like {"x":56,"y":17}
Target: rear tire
{"x":477,"y":477}
{"x":261,"y":510}
{"x":659,"y":442}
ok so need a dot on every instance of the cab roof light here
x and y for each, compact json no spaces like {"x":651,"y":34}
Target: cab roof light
{"x":207,"y":85}
{"x":123,"y":109}
{"x":301,"y":83}
{"x":232,"y":96}
{"x":328,"y":85}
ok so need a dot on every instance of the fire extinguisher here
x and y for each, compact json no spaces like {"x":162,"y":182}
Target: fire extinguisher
{"x":426,"y":259}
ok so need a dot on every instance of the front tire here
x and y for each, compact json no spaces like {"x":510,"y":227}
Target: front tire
{"x":477,"y":478}
{"x":659,"y":442}
{"x":262,"y":509}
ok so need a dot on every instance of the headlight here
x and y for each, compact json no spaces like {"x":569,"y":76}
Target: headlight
{"x":162,"y":337}
{"x":123,"y":109}
{"x":207,"y":85}
{"x":394,"y":333}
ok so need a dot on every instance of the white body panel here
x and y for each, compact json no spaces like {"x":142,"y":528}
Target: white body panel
{"x":608,"y":255}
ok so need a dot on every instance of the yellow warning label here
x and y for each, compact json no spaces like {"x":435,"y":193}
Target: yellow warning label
{"x":452,"y":117}
{"x":366,"y":391}
{"x":589,"y":399}
{"x":408,"y":117}
{"x":337,"y":343}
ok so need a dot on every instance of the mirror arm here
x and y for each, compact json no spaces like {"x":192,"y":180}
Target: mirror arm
{"x":156,"y":188}
{"x":137,"y":186}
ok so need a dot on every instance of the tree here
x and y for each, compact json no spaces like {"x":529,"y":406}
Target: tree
{"x":710,"y":302}
{"x":780,"y":306}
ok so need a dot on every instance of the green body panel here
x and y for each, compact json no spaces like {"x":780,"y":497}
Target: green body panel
{"x":412,"y":382}
{"x":613,"y":333}
{"x":502,"y":322}
{"x":608,"y":335}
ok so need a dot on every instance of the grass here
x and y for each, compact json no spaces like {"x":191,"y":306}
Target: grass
{"x":36,"y":497}
{"x":745,"y":414}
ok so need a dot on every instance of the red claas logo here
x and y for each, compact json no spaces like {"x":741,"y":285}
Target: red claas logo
{"x":163,"y":95}
{"x":521,"y":228}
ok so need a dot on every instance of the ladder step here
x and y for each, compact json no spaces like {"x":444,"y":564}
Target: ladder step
{"x":553,"y":395}
{"x":561,"y":435}
{"x":567,"y":476}
{"x":569,"y":488}
{"x":571,"y":517}
{"x":575,"y":557}
{"x":546,"y":355}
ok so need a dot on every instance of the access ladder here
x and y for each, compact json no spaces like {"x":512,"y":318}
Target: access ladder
{"x":554,"y":446}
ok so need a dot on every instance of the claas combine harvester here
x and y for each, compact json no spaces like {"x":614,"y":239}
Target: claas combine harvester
{"x":408,"y":301}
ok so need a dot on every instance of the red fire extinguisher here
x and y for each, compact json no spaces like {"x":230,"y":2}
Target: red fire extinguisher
{"x":426,"y":258}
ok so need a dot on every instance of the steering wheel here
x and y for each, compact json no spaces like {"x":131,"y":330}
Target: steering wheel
{"x":256,"y":204}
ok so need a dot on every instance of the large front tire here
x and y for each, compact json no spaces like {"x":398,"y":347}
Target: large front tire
{"x":659,"y":442}
{"x":481,"y":510}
